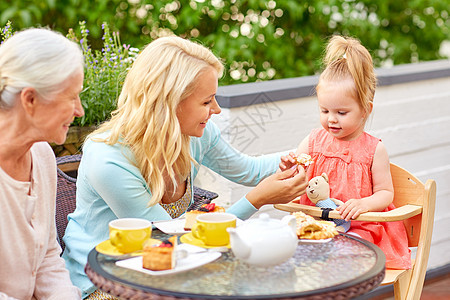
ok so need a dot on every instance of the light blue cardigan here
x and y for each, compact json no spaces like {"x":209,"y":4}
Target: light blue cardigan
{"x":109,"y":186}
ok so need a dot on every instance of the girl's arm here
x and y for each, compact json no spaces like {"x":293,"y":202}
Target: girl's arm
{"x":383,"y":189}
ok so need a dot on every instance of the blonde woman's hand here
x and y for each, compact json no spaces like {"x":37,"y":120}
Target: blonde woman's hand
{"x":281,"y":187}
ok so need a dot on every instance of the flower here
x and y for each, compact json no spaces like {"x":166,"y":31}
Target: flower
{"x":105,"y":70}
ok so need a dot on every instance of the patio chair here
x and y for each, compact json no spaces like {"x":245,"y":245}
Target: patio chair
{"x":65,"y":192}
{"x":66,"y":189}
{"x":415,"y":204}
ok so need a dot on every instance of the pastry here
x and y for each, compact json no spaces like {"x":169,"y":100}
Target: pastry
{"x":309,"y":228}
{"x":304,"y":160}
{"x":158,"y":257}
{"x":191,"y":216}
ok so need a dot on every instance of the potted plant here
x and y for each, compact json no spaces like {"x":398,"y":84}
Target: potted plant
{"x":104,"y":74}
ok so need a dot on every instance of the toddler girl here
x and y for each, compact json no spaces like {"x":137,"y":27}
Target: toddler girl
{"x":357,"y":164}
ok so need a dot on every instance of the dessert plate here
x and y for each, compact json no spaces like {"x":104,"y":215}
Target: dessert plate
{"x":196,"y":257}
{"x":176,"y":226}
{"x":188,"y":238}
{"x":308,"y":241}
{"x":173,"y":227}
{"x":107,"y":248}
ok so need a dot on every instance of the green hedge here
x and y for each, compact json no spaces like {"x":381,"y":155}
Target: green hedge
{"x":258,"y":40}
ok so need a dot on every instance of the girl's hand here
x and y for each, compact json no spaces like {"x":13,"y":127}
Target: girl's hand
{"x":288,"y":161}
{"x":352,"y":209}
{"x":281,"y":187}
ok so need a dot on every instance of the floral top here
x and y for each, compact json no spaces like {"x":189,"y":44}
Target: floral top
{"x":179,"y":207}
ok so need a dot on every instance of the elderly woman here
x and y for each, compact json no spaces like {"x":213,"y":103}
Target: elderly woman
{"x":41,"y":76}
{"x":143,"y":161}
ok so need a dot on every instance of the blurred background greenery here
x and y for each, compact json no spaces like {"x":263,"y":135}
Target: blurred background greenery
{"x":258,"y":40}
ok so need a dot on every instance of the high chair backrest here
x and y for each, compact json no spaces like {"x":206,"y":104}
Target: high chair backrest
{"x":408,"y":189}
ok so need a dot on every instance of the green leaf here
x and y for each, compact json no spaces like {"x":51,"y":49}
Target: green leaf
{"x":51,"y":3}
{"x":8,"y":14}
{"x":26,"y":17}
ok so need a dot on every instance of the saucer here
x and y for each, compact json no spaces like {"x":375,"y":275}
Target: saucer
{"x":107,"y":248}
{"x":188,"y":238}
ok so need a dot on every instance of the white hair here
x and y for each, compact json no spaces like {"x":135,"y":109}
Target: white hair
{"x":38,"y":58}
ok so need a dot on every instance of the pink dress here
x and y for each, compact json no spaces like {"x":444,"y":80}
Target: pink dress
{"x":348,"y":166}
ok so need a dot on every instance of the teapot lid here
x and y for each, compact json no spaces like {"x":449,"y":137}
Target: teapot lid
{"x":264,"y":222}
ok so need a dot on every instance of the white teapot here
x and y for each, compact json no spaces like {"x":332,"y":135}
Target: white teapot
{"x":264,"y":241}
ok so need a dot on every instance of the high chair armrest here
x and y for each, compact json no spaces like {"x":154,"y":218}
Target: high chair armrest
{"x":398,"y":214}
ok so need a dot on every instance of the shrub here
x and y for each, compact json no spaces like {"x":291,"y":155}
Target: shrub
{"x":104,"y":72}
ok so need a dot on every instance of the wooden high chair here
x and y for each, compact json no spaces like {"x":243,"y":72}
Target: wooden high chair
{"x":415,"y":204}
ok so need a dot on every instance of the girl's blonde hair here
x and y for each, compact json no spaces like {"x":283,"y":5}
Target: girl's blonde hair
{"x":346,"y":58}
{"x":164,"y":74}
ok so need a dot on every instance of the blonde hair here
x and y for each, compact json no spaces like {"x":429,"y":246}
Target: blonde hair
{"x":346,"y":58}
{"x":38,"y":58}
{"x":164,"y":74}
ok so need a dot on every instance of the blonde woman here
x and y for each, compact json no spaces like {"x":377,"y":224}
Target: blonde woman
{"x":41,"y":75}
{"x":143,"y":161}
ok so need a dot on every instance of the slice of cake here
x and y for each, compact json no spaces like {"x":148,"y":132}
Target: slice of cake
{"x":158,"y":257}
{"x":191,"y":216}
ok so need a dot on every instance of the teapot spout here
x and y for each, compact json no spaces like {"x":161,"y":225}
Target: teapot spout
{"x":240,"y":248}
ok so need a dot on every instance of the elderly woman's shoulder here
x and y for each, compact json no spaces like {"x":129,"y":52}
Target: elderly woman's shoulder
{"x":43,"y":148}
{"x":43,"y":155}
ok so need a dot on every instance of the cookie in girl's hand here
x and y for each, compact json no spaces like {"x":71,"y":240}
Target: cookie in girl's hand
{"x":304,"y":160}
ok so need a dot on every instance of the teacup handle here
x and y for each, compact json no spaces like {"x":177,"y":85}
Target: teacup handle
{"x":198,"y":231}
{"x":115,"y":237}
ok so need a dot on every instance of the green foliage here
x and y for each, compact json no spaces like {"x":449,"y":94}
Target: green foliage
{"x":7,"y":31}
{"x":257,"y":40}
{"x":104,"y":74}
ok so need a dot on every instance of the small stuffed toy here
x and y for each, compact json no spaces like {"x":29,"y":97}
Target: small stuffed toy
{"x":318,"y":191}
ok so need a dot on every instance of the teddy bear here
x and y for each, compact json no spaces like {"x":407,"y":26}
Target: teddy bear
{"x":318,"y":191}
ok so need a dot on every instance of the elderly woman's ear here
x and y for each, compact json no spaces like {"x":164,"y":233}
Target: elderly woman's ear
{"x":28,"y":99}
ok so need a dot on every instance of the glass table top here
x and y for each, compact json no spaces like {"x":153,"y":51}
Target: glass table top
{"x":320,"y":267}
